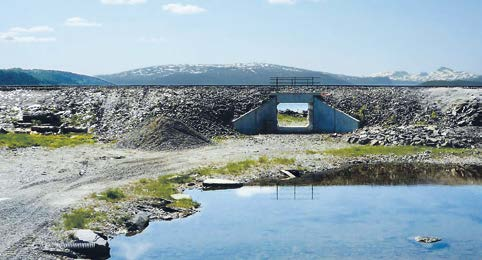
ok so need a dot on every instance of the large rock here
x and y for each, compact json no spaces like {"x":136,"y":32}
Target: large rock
{"x":138,"y":222}
{"x":89,"y":236}
{"x":211,"y":184}
{"x":42,"y":117}
{"x":45,"y":129}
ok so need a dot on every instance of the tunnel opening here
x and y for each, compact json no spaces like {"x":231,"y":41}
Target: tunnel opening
{"x":269,"y":117}
{"x":293,"y":115}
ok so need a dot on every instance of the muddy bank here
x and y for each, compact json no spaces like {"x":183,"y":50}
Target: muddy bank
{"x":392,"y":173}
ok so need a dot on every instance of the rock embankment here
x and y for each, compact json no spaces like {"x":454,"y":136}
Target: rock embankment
{"x":112,"y":112}
{"x":459,"y":137}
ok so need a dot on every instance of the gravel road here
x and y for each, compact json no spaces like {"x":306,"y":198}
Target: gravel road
{"x":39,"y":184}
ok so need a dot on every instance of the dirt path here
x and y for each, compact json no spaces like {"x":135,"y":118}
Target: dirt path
{"x":38,"y":184}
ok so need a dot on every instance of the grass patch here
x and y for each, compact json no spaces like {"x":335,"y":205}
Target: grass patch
{"x":311,"y":152}
{"x":289,"y":120}
{"x":12,"y":140}
{"x":111,"y":195}
{"x":356,"y":151}
{"x":360,"y":114}
{"x":81,"y":218}
{"x":240,"y":167}
{"x":162,"y":187}
{"x":183,"y":203}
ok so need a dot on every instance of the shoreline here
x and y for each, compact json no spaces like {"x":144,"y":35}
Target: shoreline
{"x":110,"y":167}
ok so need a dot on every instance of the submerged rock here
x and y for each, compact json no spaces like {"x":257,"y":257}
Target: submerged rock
{"x":426,"y":239}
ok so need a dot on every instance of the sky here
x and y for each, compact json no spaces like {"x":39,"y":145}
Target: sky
{"x":353,"y":37}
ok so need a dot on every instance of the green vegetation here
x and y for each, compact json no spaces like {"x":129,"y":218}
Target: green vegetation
{"x":421,"y":123}
{"x":12,"y":140}
{"x":355,"y":151}
{"x":154,"y":188}
{"x":81,"y":218}
{"x":237,"y":168}
{"x":289,"y":120}
{"x":183,"y":203}
{"x":162,"y":187}
{"x":391,"y":120}
{"x":111,"y":195}
{"x":361,"y":113}
{"x":433,"y":115}
{"x":311,"y":152}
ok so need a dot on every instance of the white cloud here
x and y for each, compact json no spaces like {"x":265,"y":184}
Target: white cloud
{"x":25,"y":34}
{"x":123,"y":2}
{"x":249,"y":191}
{"x":34,"y":29}
{"x":282,"y":2}
{"x":183,"y":9}
{"x":28,"y":39}
{"x":80,"y":22}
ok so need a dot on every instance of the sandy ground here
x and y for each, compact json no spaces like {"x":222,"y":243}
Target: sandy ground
{"x":39,"y":184}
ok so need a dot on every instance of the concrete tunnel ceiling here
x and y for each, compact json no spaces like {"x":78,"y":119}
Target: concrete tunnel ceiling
{"x":322,"y":117}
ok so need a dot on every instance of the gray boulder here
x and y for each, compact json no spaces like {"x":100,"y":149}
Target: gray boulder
{"x":138,"y":222}
{"x":89,"y":236}
{"x":427,"y":240}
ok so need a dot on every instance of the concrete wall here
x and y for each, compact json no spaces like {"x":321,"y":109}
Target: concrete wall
{"x":323,"y":118}
{"x":262,"y":119}
{"x":327,"y":119}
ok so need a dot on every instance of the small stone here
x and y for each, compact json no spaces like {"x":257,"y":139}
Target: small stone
{"x":180,"y":196}
{"x":426,"y":239}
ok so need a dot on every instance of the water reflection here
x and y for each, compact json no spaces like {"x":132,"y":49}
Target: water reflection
{"x":341,"y":222}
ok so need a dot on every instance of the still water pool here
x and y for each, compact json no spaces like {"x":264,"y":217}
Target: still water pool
{"x":320,"y":222}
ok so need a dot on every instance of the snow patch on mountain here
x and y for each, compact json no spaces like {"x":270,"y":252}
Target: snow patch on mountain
{"x":443,"y":73}
{"x":170,"y":69}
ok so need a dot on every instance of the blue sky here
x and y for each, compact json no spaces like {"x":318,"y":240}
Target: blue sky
{"x":340,"y":36}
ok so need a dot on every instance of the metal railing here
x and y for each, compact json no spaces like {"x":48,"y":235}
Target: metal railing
{"x":294,"y":81}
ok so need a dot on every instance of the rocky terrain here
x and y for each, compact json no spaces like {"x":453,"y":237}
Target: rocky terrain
{"x":39,"y":185}
{"x":111,"y":113}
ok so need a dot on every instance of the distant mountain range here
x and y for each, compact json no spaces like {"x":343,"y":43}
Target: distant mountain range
{"x":232,"y":74}
{"x":259,"y":73}
{"x":216,"y":74}
{"x":47,"y":78}
{"x":442,"y":74}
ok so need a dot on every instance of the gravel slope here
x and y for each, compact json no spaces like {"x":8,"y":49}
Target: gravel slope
{"x":38,"y":184}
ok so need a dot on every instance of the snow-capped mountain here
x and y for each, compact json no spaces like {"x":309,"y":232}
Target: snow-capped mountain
{"x":260,"y":73}
{"x":214,"y":74}
{"x":442,"y":74}
{"x":166,"y":70}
